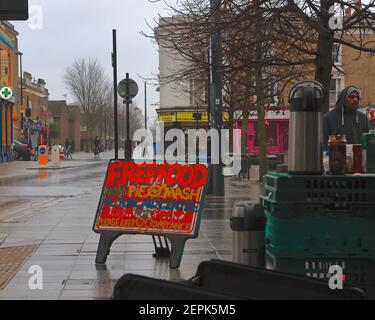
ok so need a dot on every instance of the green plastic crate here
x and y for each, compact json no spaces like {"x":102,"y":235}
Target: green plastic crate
{"x":321,"y":219}
{"x":302,"y":210}
{"x":358,"y":272}
{"x":329,"y":190}
{"x":322,"y":235}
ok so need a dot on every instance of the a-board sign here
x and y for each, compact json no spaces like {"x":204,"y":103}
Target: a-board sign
{"x":151,"y":198}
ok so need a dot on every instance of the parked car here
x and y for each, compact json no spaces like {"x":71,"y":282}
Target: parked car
{"x":21,"y":151}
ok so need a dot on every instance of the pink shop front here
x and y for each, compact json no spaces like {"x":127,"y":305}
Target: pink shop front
{"x":277,"y":124}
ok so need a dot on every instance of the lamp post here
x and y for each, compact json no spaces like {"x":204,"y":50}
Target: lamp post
{"x":20,"y":54}
{"x":115,"y":102}
{"x":145,"y":105}
{"x":157,"y":90}
{"x":128,"y":143}
{"x":216,"y":99}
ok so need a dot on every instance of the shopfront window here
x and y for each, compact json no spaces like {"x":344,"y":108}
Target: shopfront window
{"x":271,"y":134}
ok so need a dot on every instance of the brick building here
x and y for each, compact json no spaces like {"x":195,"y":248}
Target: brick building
{"x":68,"y":119}
{"x":35,"y":99}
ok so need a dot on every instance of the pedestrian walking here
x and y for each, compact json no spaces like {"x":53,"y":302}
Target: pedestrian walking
{"x":96,"y":147}
{"x":68,"y":149}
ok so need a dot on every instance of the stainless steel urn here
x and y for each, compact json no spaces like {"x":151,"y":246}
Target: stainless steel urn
{"x":306,"y":100}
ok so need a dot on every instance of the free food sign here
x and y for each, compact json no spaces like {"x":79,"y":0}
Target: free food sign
{"x":152,"y":198}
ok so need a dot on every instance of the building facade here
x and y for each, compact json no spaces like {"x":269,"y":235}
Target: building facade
{"x":9,"y":110}
{"x":75,"y":127}
{"x":35,"y":116}
{"x":182,"y":99}
{"x":183,"y":102}
{"x":68,"y":121}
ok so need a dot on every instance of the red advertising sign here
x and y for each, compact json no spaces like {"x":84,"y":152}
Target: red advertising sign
{"x":152,"y":198}
{"x":372,"y":115}
{"x":45,"y":114}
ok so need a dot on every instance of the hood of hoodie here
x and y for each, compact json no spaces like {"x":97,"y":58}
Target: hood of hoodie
{"x":341,"y":103}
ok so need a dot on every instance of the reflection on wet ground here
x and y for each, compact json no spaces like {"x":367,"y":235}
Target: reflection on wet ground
{"x":57,"y":212}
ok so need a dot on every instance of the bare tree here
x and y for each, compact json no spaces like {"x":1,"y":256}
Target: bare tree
{"x":249,"y":57}
{"x":136,"y":120}
{"x":107,"y":121}
{"x":90,"y":88}
{"x":267,"y":45}
{"x":311,"y":28}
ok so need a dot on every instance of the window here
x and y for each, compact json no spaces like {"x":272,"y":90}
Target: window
{"x":4,"y":67}
{"x":333,"y":91}
{"x":198,"y":92}
{"x":271,"y":134}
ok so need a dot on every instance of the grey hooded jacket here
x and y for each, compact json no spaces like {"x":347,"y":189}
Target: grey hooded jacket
{"x":342,"y":120}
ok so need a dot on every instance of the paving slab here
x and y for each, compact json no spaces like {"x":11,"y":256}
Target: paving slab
{"x":11,"y":260}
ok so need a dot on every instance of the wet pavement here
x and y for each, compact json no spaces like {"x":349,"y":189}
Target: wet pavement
{"x":55,"y":211}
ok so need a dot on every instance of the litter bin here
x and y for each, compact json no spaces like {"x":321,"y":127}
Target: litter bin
{"x":55,"y":155}
{"x":248,"y":226}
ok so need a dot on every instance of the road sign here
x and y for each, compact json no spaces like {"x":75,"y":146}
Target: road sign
{"x":6,"y":93}
{"x":42,"y":155}
{"x":14,"y":10}
{"x":45,"y":114}
{"x":133,"y":89}
{"x":22,"y":108}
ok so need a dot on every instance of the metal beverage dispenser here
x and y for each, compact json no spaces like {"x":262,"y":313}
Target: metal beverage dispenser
{"x":306,"y":100}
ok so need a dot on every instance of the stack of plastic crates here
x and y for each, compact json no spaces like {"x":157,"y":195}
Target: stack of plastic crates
{"x":314,"y":222}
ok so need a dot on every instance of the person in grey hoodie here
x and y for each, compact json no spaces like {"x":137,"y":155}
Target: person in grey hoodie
{"x":345,"y":118}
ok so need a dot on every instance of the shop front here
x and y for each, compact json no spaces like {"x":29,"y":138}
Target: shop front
{"x":277,"y":129}
{"x":6,"y":130}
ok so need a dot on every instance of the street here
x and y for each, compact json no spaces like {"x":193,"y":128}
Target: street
{"x":46,"y":220}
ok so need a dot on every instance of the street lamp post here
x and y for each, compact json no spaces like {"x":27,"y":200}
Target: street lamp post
{"x":216,"y":82}
{"x":128,"y":143}
{"x":115,"y":103}
{"x":20,"y":54}
{"x":145,"y":105}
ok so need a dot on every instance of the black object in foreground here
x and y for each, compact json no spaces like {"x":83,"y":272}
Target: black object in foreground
{"x":14,"y":10}
{"x":136,"y":287}
{"x":254,"y":283}
{"x":217,"y":280}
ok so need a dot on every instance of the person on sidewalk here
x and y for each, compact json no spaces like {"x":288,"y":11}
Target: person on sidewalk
{"x":96,"y":148}
{"x":345,"y":119}
{"x":68,"y":149}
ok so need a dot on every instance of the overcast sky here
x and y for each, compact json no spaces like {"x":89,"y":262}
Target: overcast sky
{"x":83,"y":29}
